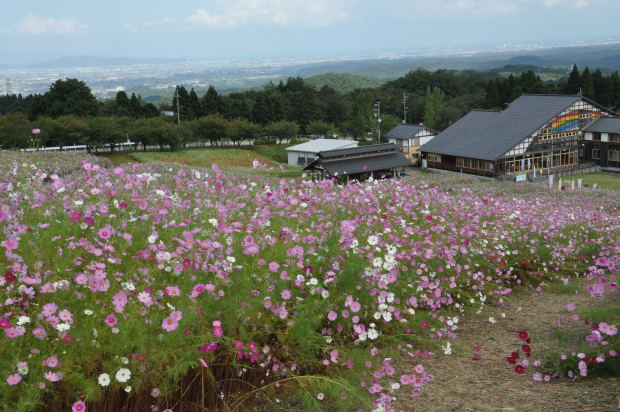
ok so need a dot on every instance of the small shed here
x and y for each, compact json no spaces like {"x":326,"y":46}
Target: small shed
{"x":359,"y":163}
{"x":305,"y":153}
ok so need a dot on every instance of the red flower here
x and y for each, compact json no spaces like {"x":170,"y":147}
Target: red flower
{"x":523,"y":335}
{"x":526,"y":349}
{"x":9,"y":276}
{"x":519,"y":369}
{"x":514,"y":355}
{"x":187,"y":331}
{"x":511,"y":361}
{"x":429,"y":217}
{"x":383,"y":216}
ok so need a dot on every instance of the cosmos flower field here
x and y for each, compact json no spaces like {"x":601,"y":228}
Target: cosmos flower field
{"x":151,"y":286}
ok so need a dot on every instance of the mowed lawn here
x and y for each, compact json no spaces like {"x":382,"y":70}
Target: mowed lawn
{"x":603,"y":180}
{"x":224,"y":158}
{"x":273,"y":159}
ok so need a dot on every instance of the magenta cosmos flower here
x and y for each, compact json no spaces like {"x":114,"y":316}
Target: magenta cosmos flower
{"x":79,"y":406}
{"x":111,"y":320}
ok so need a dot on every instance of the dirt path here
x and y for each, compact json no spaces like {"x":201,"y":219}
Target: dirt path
{"x":490,"y":384}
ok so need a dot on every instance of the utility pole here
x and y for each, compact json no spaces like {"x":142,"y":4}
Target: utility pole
{"x":377,"y":110}
{"x":405,"y":97}
{"x":178,"y":106}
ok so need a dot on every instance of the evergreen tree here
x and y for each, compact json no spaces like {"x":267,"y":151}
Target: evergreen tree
{"x":598,"y":82}
{"x":70,"y":96}
{"x":574,"y":81}
{"x":587,"y":84}
{"x":210,"y":102}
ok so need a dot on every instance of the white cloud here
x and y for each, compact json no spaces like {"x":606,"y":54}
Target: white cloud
{"x":480,"y":7}
{"x":489,"y":7}
{"x":234,"y":13}
{"x":36,"y":26}
{"x":578,"y":4}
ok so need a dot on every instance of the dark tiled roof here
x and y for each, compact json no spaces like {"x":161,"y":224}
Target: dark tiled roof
{"x":354,"y":151}
{"x":604,"y":125}
{"x":404,"y":131}
{"x":488,"y":135}
{"x":356,"y":165}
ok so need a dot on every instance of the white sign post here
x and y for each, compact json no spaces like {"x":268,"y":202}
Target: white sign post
{"x":550,"y":181}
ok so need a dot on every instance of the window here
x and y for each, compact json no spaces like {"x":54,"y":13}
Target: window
{"x":434,"y":157}
{"x":614,"y":155}
{"x":460,"y":162}
{"x":301,"y":161}
{"x":596,"y":136}
{"x":614,"y":137}
{"x":596,"y":153}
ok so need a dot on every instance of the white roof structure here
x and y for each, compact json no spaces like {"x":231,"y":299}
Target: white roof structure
{"x":322,"y":145}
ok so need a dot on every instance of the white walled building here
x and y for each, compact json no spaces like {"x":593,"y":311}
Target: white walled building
{"x":305,"y":153}
{"x":409,"y":138}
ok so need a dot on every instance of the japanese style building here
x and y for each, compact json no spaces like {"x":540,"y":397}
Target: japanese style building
{"x":534,"y":135}
{"x":359,"y":163}
{"x":602,"y":142}
{"x":409,"y":138}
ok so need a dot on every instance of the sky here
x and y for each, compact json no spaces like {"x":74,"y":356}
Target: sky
{"x":37,"y":30}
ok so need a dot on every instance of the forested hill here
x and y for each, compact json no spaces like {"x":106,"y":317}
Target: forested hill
{"x":342,"y":82}
{"x":69,"y":110}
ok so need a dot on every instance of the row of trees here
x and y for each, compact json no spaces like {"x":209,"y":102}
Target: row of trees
{"x":435,"y":98}
{"x":16,"y":131}
{"x":73,"y":97}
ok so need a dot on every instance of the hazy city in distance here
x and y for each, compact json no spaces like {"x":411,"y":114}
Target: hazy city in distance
{"x":242,"y":44}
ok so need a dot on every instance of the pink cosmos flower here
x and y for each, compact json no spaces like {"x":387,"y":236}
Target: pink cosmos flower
{"x":332,"y":315}
{"x":273,"y":266}
{"x":14,"y":332}
{"x":78,"y":406}
{"x":169,"y":324}
{"x":13,"y":379}
{"x":375,"y":388}
{"x":52,"y":361}
{"x":217,"y":331}
{"x":52,"y":376}
{"x":4,"y":324}
{"x":111,"y":320}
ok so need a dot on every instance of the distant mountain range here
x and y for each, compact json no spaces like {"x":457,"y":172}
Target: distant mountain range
{"x":155,"y":78}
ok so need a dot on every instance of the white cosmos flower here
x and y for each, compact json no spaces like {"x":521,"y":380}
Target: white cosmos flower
{"x":123,"y":375}
{"x":373,"y":240}
{"x":63,"y":327}
{"x":104,"y":379}
{"x":23,"y":320}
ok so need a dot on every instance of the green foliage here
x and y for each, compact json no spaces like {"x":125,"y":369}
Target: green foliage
{"x":433,"y":105}
{"x":282,"y":130}
{"x":321,"y":128}
{"x":342,"y":82}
